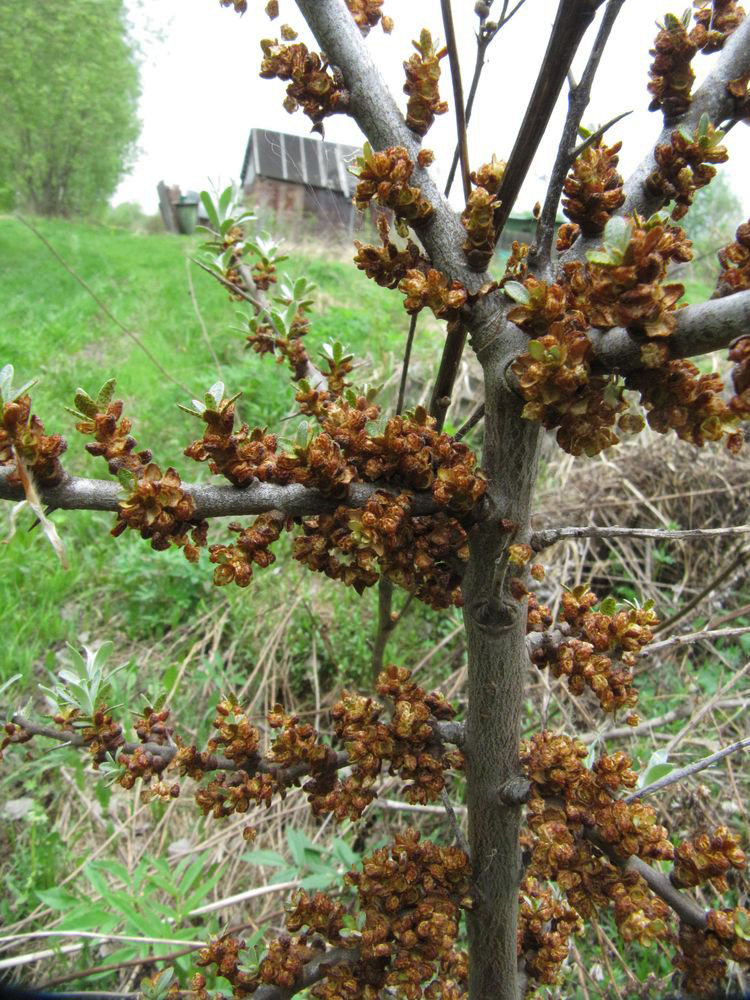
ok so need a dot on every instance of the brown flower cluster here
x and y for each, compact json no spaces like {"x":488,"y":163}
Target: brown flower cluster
{"x":571,"y":809}
{"x":388,"y":265}
{"x":264,"y":338}
{"x":735,"y":264}
{"x":156,"y":505}
{"x":597,"y":648}
{"x":490,"y":175}
{"x":430,"y":288}
{"x":624,"y":284}
{"x":385,"y":177}
{"x":411,"y":896}
{"x":22,"y":436}
{"x":620,"y":285}
{"x":671,"y":72}
{"x":545,"y":926}
{"x":409,"y":901}
{"x":408,"y":744}
{"x":422,"y":79}
{"x":683,"y":165}
{"x":717,"y":19}
{"x":707,"y":858}
{"x":477,"y":219}
{"x":739,"y":353}
{"x":702,"y":954}
{"x":240,"y":456}
{"x":314,"y":85}
{"x":235,"y":561}
{"x":593,"y":189}
{"x":367,"y":14}
{"x":677,"y":397}
{"x":424,"y":555}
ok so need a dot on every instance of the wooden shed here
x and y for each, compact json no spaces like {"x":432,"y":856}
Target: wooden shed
{"x":290,"y":177}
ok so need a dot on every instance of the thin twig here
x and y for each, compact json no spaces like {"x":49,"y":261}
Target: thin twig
{"x":484,"y":38}
{"x":104,"y":308}
{"x":602,"y":130}
{"x":578,"y":100}
{"x":543,"y":539}
{"x":201,"y":321}
{"x":682,"y":640}
{"x":229,"y":285}
{"x":731,"y":567}
{"x":458,"y":94}
{"x":571,"y":23}
{"x":458,"y":833}
{"x":406,"y":362}
{"x":685,"y":772}
{"x":473,"y":420}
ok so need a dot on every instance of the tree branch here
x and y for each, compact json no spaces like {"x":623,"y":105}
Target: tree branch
{"x":701,"y":328}
{"x":713,"y":99}
{"x":446,"y":732}
{"x":707,"y":635}
{"x":458,"y":94}
{"x":578,"y":100}
{"x":572,"y":21}
{"x":543,"y":539}
{"x":215,"y":501}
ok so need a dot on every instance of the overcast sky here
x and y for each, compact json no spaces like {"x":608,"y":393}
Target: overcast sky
{"x":202,"y":93}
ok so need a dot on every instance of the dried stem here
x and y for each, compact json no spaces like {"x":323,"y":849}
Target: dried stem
{"x":578,"y":100}
{"x":458,"y":94}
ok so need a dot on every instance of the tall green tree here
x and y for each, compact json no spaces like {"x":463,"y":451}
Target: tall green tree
{"x":69,"y":92}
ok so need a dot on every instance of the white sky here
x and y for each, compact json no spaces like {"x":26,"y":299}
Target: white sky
{"x":202,"y":93}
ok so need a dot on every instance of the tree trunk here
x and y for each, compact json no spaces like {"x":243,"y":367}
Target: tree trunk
{"x":497,"y":671}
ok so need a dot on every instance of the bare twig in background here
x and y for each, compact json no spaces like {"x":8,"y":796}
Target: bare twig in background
{"x":572,"y":20}
{"x":105,"y":309}
{"x":683,"y":640}
{"x":458,"y":833}
{"x":406,"y":362}
{"x":543,"y":539}
{"x":199,"y":317}
{"x":471,"y":423}
{"x":724,"y":574}
{"x":484,"y":38}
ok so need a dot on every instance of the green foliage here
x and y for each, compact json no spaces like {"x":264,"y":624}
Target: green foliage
{"x":711,"y":223}
{"x":68,"y":102}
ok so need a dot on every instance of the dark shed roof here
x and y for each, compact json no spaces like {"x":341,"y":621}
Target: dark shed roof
{"x":299,"y":160}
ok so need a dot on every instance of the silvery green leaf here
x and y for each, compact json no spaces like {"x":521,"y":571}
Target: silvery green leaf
{"x":516,"y":291}
{"x":656,"y":768}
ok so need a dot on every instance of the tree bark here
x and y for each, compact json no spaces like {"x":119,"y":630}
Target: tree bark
{"x":497,"y":670}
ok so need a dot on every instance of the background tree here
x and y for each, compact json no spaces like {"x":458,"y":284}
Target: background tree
{"x":68,"y":99}
{"x":710,"y":225}
{"x":582,"y":335}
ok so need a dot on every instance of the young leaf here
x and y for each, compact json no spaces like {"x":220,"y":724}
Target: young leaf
{"x":516,"y":291}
